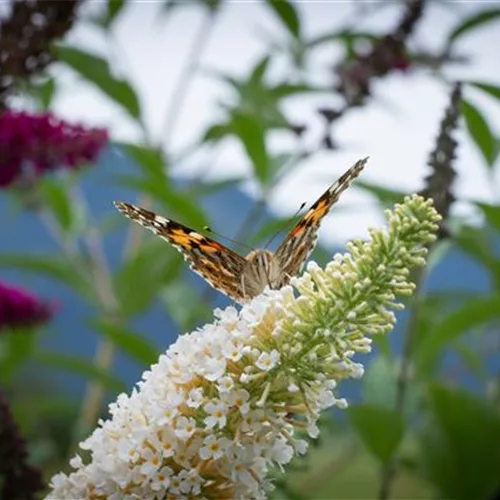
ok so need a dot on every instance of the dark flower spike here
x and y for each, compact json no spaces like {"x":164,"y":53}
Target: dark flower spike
{"x":438,"y":184}
{"x":18,"y":479}
{"x":387,"y":54}
{"x":18,"y":308}
{"x":26,"y":37}
{"x":31,"y":145}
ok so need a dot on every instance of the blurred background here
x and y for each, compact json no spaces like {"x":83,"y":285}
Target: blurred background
{"x":232,"y":114}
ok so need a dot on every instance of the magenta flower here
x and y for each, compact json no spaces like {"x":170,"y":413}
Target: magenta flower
{"x":36,"y":144}
{"x":20,"y":308}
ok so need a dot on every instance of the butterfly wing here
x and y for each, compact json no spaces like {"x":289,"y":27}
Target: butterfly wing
{"x":301,"y":240}
{"x":217,"y":264}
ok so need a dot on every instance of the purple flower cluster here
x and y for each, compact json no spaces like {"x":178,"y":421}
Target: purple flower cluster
{"x":20,"y":308}
{"x":36,"y":144}
{"x":18,"y":479}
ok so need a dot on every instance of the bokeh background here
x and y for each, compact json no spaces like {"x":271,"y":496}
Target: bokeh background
{"x":232,"y":114}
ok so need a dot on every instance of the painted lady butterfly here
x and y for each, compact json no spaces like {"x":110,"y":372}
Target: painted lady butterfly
{"x":242,"y":278}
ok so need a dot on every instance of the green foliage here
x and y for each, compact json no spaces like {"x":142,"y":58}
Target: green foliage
{"x":380,"y":429}
{"x":473,"y":22}
{"x":97,"y":71}
{"x":480,"y":132}
{"x":287,"y":14}
{"x":461,"y":444}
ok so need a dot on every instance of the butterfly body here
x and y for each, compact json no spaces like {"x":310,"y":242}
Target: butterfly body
{"x":243,"y":278}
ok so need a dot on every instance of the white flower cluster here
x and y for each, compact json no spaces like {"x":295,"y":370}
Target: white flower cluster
{"x":224,"y":403}
{"x":208,"y":420}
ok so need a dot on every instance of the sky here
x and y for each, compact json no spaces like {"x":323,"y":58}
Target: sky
{"x":396,"y":129}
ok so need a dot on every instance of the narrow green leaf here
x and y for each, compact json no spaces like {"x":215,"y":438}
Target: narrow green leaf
{"x":259,"y":71}
{"x":472,"y":22}
{"x":473,"y":361}
{"x":287,"y":89}
{"x":140,"y":279}
{"x":288,"y":15}
{"x":387,"y":197}
{"x":347,"y":37}
{"x":185,"y":305}
{"x":477,"y":243}
{"x":208,"y":188}
{"x":43,"y":93}
{"x":174,"y":203}
{"x":47,"y":265}
{"x":113,"y":10}
{"x":252,"y":135}
{"x":491,"y":213}
{"x":380,"y":429}
{"x":216,"y":132}
{"x":81,"y":367}
{"x":148,"y":158}
{"x":133,"y":343}
{"x":57,"y":197}
{"x":488,"y":88}
{"x":96,"y":70}
{"x":480,"y":132}
{"x":474,"y":313}
{"x":461,"y":445}
{"x":16,"y":346}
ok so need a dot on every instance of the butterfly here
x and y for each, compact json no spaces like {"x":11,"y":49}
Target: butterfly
{"x":242,"y":278}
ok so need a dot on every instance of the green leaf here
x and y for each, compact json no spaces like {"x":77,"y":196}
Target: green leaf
{"x":47,"y":265}
{"x":287,"y":89}
{"x":472,"y":360}
{"x":216,"y":132}
{"x":57,"y":197}
{"x":258,"y":73}
{"x":387,"y":197}
{"x":380,"y":429}
{"x":480,"y":132}
{"x":185,"y":305}
{"x":175,"y":203}
{"x":113,"y":10}
{"x":491,"y":213}
{"x":492,"y":90}
{"x":16,"y":345}
{"x":288,"y":15}
{"x":347,"y":37}
{"x":472,"y":22}
{"x":81,"y":367}
{"x":150,"y":159}
{"x":252,"y":135}
{"x":96,"y":70}
{"x":141,"y":278}
{"x":477,"y":243}
{"x":461,"y":445}
{"x":474,"y":313}
{"x":208,"y":188}
{"x":133,"y":343}
{"x":43,"y":93}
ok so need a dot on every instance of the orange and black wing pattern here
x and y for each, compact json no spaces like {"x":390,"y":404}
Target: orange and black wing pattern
{"x":217,"y":264}
{"x":301,"y":240}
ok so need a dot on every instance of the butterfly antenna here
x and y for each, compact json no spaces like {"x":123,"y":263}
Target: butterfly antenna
{"x":222,"y":237}
{"x":286,"y":225}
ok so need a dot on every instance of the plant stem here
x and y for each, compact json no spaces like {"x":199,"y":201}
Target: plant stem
{"x":403,"y":378}
{"x":181,"y":89}
{"x":173,"y":113}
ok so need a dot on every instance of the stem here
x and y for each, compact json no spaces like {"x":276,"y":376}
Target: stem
{"x":173,"y":114}
{"x":181,"y":89}
{"x":389,"y":470}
